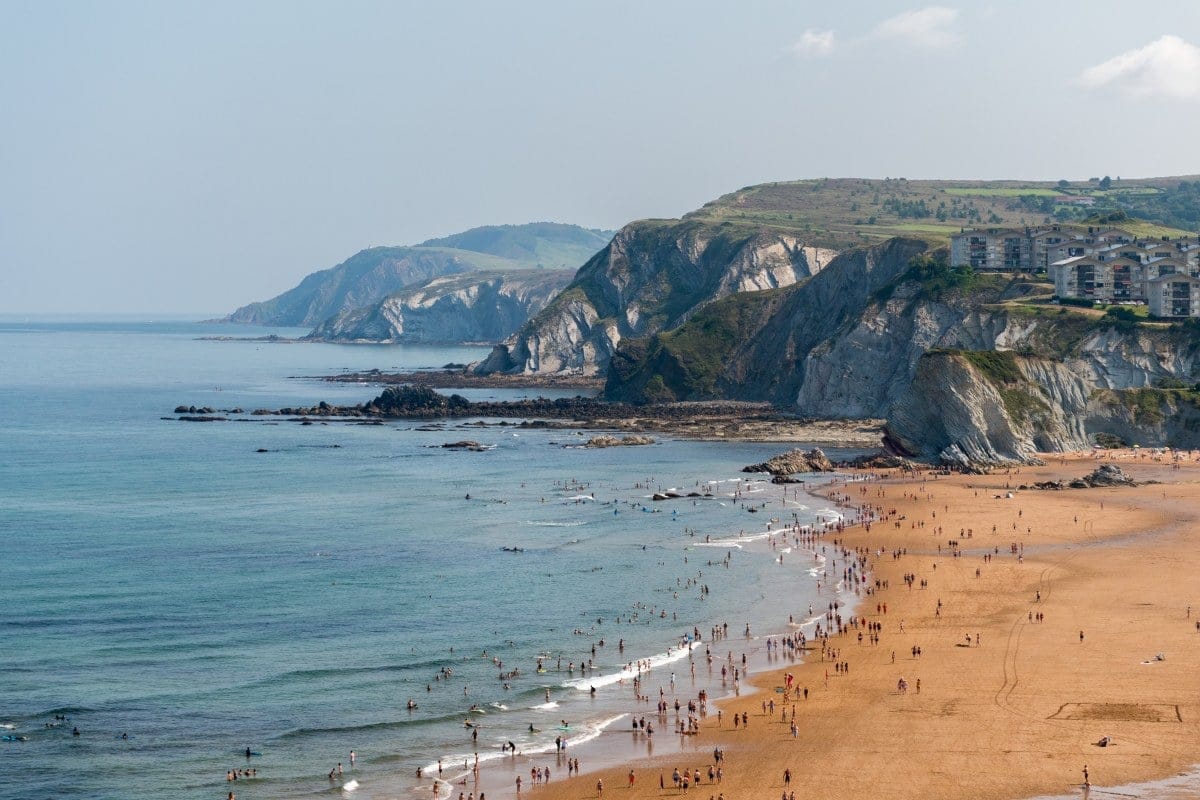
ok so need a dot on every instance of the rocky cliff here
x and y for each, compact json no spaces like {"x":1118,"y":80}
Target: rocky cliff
{"x":754,"y":346}
{"x":652,"y":277}
{"x":469,"y":307}
{"x":963,"y":409}
{"x":364,"y":278}
{"x":967,"y":369}
{"x":371,"y":275}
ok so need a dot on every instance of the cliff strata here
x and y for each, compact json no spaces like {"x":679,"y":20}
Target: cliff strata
{"x":469,"y":307}
{"x":967,"y":369}
{"x":651,"y":277}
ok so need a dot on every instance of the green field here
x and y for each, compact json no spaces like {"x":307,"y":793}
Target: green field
{"x":1006,"y":191}
{"x":846,"y":212}
{"x":924,"y":227}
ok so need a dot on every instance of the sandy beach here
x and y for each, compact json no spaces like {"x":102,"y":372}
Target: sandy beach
{"x":1036,"y":642}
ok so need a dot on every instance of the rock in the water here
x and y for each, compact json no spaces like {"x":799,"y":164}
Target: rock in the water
{"x":794,"y":461}
{"x":613,"y":441}
{"x":466,"y":444}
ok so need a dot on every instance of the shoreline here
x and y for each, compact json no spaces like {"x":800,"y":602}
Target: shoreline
{"x":1018,"y":711}
{"x":604,"y":737}
{"x":611,"y":742}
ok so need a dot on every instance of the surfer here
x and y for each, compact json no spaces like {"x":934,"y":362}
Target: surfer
{"x":249,"y":752}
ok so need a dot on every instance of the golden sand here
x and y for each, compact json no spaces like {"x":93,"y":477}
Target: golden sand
{"x":1016,"y":714}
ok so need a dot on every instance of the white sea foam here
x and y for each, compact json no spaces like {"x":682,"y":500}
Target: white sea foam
{"x":629,"y":672}
{"x":545,"y":706}
{"x":583,"y":734}
{"x":738,"y":540}
{"x":556,"y":524}
{"x":582,"y":497}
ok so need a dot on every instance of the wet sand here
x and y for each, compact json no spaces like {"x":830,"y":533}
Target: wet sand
{"x":1013,"y":715}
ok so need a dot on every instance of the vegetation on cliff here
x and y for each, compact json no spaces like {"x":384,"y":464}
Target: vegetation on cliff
{"x":1022,"y":399}
{"x":687,"y":363}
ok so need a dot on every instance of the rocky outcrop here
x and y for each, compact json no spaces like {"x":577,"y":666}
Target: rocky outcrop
{"x":614,"y":441}
{"x":470,"y":307}
{"x":467,"y":444}
{"x":1102,"y":476}
{"x":651,"y":277}
{"x":793,"y":462}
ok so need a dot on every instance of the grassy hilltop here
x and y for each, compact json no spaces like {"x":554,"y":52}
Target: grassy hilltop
{"x":846,"y":212}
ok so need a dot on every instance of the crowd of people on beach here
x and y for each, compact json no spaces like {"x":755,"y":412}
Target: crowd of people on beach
{"x":826,"y":635}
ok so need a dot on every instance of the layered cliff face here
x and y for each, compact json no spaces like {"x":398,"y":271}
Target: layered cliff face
{"x":961,"y":408}
{"x":885,"y":332}
{"x":651,"y":277}
{"x":753,"y":346}
{"x":980,"y":408}
{"x":471,"y":307}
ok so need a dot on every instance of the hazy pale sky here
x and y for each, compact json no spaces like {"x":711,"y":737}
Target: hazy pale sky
{"x":194,"y":156}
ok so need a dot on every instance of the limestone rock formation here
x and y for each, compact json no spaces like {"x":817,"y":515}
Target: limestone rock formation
{"x":651,"y":277}
{"x":468,"y":307}
{"x":793,"y":462}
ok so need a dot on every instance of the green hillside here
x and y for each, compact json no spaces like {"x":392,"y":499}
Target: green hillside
{"x":846,"y":212}
{"x":550,"y":245}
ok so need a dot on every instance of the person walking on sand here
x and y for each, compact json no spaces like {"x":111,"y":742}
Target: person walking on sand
{"x":631,"y":779}
{"x":600,"y":788}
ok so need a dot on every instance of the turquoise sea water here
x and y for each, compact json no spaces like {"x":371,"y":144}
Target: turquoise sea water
{"x":180,"y":596}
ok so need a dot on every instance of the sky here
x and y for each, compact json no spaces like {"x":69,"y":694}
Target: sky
{"x":190,"y":157}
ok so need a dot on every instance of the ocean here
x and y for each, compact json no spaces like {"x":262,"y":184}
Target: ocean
{"x":180,"y":596}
